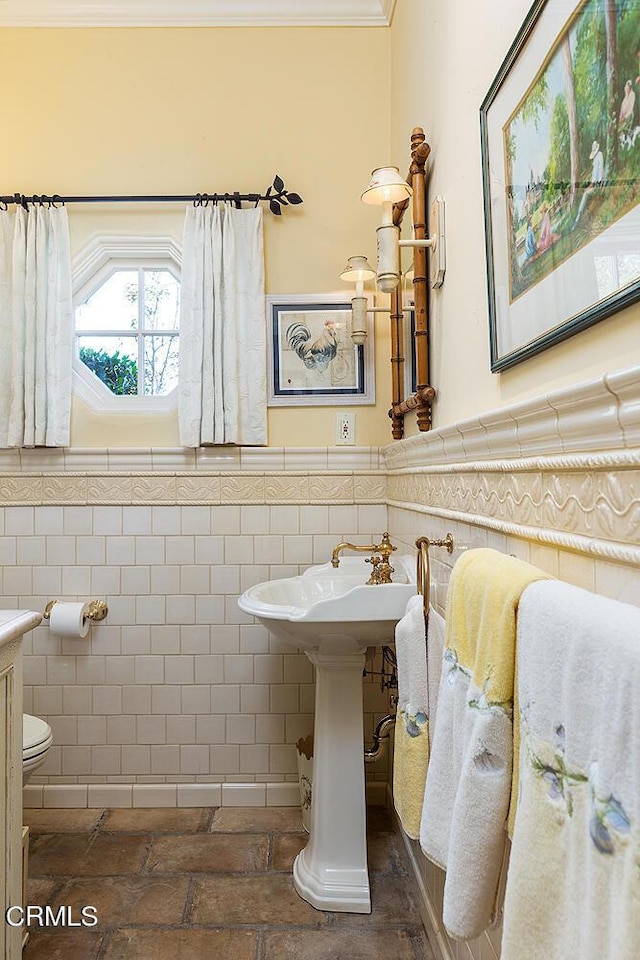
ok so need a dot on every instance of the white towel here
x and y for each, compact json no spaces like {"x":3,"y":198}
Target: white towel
{"x":419,"y":680}
{"x":411,"y":657}
{"x":573,"y":887}
{"x":419,"y":660}
{"x":466,"y":801}
{"x":468,"y":785}
{"x":435,"y":653}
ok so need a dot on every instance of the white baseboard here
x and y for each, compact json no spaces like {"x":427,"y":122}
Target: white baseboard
{"x":77,"y":795}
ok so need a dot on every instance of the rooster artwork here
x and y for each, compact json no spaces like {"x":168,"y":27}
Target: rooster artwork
{"x":315,"y":354}
{"x":313,"y":358}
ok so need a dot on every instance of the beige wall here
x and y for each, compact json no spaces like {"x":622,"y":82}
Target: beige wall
{"x":444,"y":56}
{"x":157,"y":110}
{"x":187,"y":110}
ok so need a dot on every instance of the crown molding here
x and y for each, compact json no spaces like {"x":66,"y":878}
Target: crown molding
{"x":388,"y":10}
{"x":196,"y":13}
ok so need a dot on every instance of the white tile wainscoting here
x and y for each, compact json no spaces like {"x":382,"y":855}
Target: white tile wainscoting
{"x":555,"y":481}
{"x":176,"y":687}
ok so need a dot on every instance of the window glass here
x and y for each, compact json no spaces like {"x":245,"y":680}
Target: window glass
{"x":113,"y":306}
{"x":160,"y":365}
{"x":161,"y":300}
{"x":114,"y":360}
{"x":127,"y":332}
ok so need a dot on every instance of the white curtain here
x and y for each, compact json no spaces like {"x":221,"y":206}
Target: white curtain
{"x":36,"y":328}
{"x":222,"y":381}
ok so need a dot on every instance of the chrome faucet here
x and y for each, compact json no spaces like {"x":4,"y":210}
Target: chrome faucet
{"x":382,"y":570}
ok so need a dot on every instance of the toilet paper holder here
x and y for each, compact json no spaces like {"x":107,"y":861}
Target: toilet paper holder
{"x":96,"y":611}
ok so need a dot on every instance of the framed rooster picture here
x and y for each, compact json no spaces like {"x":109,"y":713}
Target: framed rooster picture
{"x":312,"y":358}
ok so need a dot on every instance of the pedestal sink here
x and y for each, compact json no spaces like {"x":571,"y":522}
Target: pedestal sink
{"x":334,"y":615}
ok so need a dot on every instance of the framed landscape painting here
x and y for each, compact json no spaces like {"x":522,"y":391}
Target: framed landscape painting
{"x":312,"y":358}
{"x":560,"y":131}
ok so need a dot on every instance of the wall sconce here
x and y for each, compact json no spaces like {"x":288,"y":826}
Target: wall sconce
{"x":385,"y":189}
{"x":358,"y":270}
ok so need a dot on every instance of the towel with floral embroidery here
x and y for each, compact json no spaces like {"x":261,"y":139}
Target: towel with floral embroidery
{"x":573,"y":886}
{"x":419,"y":658}
{"x":468,"y":786}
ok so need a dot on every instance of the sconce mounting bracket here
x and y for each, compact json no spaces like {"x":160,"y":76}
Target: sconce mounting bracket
{"x":437,"y":255}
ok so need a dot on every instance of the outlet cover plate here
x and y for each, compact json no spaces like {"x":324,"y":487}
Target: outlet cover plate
{"x":345,"y":428}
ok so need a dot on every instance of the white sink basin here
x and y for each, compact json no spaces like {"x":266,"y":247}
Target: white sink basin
{"x":329,"y":608}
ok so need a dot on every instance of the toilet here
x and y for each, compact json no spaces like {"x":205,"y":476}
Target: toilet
{"x":36,"y":740}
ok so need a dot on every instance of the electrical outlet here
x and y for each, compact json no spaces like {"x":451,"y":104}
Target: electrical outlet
{"x":345,"y":428}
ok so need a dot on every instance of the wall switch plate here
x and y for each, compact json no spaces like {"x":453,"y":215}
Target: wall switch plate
{"x":345,"y":428}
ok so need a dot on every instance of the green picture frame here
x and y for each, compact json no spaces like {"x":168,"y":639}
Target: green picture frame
{"x":560,"y":139}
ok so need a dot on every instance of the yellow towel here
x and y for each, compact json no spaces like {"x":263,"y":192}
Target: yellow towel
{"x":482,"y":607}
{"x":419,"y":665}
{"x":410,"y":762}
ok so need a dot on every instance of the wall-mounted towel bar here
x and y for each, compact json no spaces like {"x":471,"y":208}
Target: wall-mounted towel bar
{"x":423,"y":567}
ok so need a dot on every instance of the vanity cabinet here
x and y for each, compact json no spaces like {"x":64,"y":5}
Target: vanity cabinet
{"x":13,"y":625}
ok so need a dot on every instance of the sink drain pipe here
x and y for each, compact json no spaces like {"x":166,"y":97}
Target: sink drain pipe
{"x":380,"y":738}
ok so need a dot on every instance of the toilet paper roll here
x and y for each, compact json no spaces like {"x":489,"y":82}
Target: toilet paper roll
{"x":70,"y":620}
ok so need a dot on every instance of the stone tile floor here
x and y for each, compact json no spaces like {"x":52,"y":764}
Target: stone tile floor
{"x":207,"y":884}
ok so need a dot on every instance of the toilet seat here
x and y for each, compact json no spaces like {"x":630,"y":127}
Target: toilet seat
{"x":36,"y":737}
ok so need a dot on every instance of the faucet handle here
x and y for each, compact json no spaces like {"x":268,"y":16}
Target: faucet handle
{"x":385,"y":547}
{"x":375,"y":575}
{"x":382,"y":570}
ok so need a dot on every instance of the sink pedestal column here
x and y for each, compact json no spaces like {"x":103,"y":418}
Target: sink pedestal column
{"x":331,"y":872}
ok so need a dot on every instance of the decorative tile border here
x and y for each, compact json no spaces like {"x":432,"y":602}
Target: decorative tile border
{"x":292,"y":488}
{"x":603,"y":549}
{"x":563,"y":469}
{"x":19,"y":490}
{"x":593,"y":511}
{"x":144,"y":489}
{"x":330,"y":489}
{"x":604,"y":505}
{"x":369,"y":489}
{"x":208,"y":476}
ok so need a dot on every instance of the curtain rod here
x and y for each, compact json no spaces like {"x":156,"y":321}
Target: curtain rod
{"x":276,"y":195}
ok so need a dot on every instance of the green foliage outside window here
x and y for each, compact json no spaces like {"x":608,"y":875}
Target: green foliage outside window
{"x":118,"y":373}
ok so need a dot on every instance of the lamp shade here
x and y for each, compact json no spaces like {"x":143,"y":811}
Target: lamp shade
{"x":357,"y":269}
{"x":386,"y":186}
